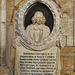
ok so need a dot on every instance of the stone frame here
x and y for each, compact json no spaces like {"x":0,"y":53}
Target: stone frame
{"x":20,"y":31}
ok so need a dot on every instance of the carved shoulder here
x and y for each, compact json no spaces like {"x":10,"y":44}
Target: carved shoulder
{"x":47,"y":28}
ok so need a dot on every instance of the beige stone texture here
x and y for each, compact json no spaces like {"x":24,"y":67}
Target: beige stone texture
{"x":64,"y":18}
{"x":4,"y":70}
{"x":72,"y":73}
{"x":12,"y":57}
{"x":69,"y":40}
{"x":19,"y":1}
{"x":10,"y":3}
{"x":64,"y":73}
{"x":67,"y":60}
{"x":9,"y":14}
{"x":67,"y":51}
{"x":63,"y":41}
{"x":66,"y":5}
{"x":10,"y":10}
{"x":12,"y":7}
{"x":69,"y":63}
{"x":0,"y":11}
{"x":9,"y":40}
{"x":62,"y":64}
{"x":66,"y":9}
{"x":0,"y":30}
{"x":67,"y":28}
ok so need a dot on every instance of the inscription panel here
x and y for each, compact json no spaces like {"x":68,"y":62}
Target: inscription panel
{"x":36,"y":62}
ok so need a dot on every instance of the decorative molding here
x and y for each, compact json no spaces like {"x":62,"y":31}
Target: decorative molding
{"x":51,"y":39}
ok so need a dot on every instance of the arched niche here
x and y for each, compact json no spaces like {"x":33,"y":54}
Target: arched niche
{"x":21,"y":19}
{"x":38,"y":6}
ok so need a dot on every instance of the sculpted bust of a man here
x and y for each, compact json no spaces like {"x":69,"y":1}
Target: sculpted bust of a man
{"x":38,"y":31}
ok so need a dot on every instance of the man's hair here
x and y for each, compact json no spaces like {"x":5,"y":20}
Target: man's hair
{"x":36,"y":15}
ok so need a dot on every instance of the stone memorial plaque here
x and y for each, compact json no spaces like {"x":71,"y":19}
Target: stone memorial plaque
{"x":36,"y":51}
{"x":30,"y":62}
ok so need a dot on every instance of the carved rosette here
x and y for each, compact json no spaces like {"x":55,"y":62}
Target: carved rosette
{"x":27,"y":42}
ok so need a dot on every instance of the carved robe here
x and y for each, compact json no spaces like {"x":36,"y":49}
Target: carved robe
{"x":37,"y":32}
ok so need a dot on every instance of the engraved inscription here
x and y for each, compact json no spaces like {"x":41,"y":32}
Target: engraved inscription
{"x":37,"y":64}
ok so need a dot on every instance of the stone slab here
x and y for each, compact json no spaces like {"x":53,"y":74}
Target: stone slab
{"x":29,"y":62}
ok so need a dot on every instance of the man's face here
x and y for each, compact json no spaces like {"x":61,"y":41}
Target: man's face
{"x":39,"y":20}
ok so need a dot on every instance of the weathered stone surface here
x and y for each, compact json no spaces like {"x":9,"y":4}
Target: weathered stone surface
{"x":66,"y":9}
{"x":0,"y":10}
{"x":10,"y":38}
{"x":67,"y":51}
{"x":10,"y":10}
{"x":67,"y":19}
{"x":63,"y":41}
{"x":68,"y":63}
{"x":72,"y":73}
{"x":19,"y":1}
{"x":69,"y":40}
{"x":66,"y":5}
{"x":68,"y":60}
{"x":4,"y":70}
{"x":68,"y":55}
{"x":62,"y":64}
{"x":67,"y":28}
{"x":64,"y":73}
{"x":9,"y":16}
{"x":10,"y":3}
{"x":64,"y":19}
{"x":12,"y":57}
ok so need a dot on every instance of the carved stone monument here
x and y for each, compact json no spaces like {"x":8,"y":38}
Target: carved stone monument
{"x":36,"y":51}
{"x":38,"y":31}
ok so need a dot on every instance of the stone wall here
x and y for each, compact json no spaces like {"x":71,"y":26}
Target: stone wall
{"x":66,"y":10}
{"x":67,"y":55}
{"x":67,"y":21}
{"x":67,"y":61}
